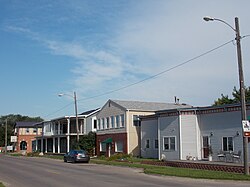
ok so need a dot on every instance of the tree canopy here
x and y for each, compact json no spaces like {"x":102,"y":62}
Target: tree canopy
{"x":224,"y":99}
{"x":11,"y":120}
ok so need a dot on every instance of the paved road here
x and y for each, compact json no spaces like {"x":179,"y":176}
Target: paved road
{"x":43,"y":172}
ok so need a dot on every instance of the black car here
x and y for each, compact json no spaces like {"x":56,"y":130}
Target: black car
{"x":76,"y":156}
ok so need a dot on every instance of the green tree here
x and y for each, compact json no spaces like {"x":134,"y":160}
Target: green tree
{"x":11,"y":121}
{"x":88,"y":142}
{"x":236,"y":97}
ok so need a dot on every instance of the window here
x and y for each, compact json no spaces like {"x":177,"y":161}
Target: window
{"x":103,"y":147}
{"x":112,"y":122}
{"x":136,"y":121}
{"x":227,"y":144}
{"x":99,"y":124}
{"x":156,"y":143}
{"x":34,"y":130}
{"x":169,"y":143}
{"x":103,"y":123}
{"x":95,"y":124}
{"x":107,"y":122}
{"x":119,"y":146}
{"x":27,"y":130}
{"x":147,"y":144}
{"x":122,"y":120}
{"x":117,"y":118}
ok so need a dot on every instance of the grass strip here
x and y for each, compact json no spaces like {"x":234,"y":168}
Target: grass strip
{"x":178,"y":172}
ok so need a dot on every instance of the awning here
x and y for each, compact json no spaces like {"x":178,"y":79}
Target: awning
{"x":108,"y":140}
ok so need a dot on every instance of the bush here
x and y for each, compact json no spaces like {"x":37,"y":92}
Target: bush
{"x":119,"y":156}
{"x":33,"y":154}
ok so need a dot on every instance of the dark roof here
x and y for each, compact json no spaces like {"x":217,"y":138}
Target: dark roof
{"x":26,"y":124}
{"x":148,"y":106}
{"x":89,"y":112}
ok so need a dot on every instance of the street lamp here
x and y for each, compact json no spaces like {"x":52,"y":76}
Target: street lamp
{"x":77,"y":127}
{"x":242,"y":86}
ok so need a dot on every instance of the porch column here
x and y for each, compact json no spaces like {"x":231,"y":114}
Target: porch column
{"x":54,"y":144}
{"x":58,"y":145}
{"x":42,"y":145}
{"x":68,"y":138}
{"x":46,"y":145}
{"x":68,"y":126}
{"x":59,"y":127}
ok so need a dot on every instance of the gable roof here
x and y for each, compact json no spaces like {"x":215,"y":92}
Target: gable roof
{"x":147,"y":106}
{"x":27,"y":124}
{"x":90,"y":112}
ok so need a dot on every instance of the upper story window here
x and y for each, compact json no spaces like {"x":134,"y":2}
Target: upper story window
{"x":95,"y":124}
{"x":102,"y":123}
{"x":34,"y":130}
{"x":98,"y":124}
{"x":136,"y":121}
{"x":107,"y":122}
{"x":117,"y":119}
{"x":122,"y":120}
{"x":27,"y":130}
{"x":112,"y":121}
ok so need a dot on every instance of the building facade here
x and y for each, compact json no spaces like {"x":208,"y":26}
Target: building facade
{"x":192,"y":133}
{"x":26,"y":133}
{"x":118,"y":125}
{"x":59,"y":134}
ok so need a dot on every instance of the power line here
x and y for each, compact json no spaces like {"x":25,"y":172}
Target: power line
{"x":151,"y":77}
{"x":158,"y":74}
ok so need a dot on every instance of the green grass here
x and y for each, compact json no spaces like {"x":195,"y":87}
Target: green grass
{"x":178,"y":172}
{"x":1,"y":185}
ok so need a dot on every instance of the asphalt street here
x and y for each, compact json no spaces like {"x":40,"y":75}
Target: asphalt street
{"x":41,"y":172}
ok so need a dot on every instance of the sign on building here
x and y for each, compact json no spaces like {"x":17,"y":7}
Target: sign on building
{"x":246,"y":128}
{"x":13,"y":139}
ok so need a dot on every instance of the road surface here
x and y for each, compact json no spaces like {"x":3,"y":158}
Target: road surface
{"x":44,"y":172}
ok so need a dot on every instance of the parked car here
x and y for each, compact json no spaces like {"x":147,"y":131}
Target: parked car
{"x":76,"y":156}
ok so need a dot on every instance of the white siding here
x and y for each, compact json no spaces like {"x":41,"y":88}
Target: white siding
{"x":189,"y":136}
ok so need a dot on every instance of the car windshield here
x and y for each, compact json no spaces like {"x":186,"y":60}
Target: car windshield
{"x":81,"y":151}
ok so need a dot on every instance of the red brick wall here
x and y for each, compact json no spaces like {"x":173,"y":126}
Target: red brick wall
{"x":28,"y":139}
{"x":115,"y":138}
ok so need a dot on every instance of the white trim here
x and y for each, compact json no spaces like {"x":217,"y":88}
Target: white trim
{"x":127,"y":129}
{"x":180,"y":135}
{"x":198,"y":151}
{"x":175,"y":145}
{"x":159,"y":138}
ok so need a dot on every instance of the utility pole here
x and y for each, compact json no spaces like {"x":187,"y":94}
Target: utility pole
{"x":77,"y":126}
{"x":6,"y":136}
{"x":242,"y":86}
{"x":242,"y":95}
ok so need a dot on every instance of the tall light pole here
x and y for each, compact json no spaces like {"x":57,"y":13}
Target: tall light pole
{"x":75,"y":101}
{"x":242,"y":86}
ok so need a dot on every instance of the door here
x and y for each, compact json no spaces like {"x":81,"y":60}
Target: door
{"x":205,"y":146}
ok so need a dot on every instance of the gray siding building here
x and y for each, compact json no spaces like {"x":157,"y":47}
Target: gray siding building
{"x":191,"y":133}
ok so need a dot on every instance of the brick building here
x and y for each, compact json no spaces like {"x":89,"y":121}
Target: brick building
{"x":26,"y":133}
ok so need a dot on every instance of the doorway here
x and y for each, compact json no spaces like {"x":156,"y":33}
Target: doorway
{"x":205,"y":146}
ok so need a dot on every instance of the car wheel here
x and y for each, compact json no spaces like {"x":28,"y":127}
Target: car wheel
{"x":65,"y":160}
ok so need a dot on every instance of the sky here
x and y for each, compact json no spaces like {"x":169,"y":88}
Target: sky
{"x":143,"y":50}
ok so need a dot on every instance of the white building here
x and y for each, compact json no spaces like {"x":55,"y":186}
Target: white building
{"x":190,"y":133}
{"x":59,"y":134}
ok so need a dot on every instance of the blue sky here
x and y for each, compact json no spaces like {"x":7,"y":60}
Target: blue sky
{"x":94,"y":47}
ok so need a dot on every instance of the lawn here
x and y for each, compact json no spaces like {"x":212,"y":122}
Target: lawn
{"x":1,"y":185}
{"x":178,"y":172}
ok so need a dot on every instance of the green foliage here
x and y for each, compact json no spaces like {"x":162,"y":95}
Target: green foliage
{"x":120,"y":157}
{"x":224,"y":100}
{"x":88,"y":142}
{"x":11,"y":120}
